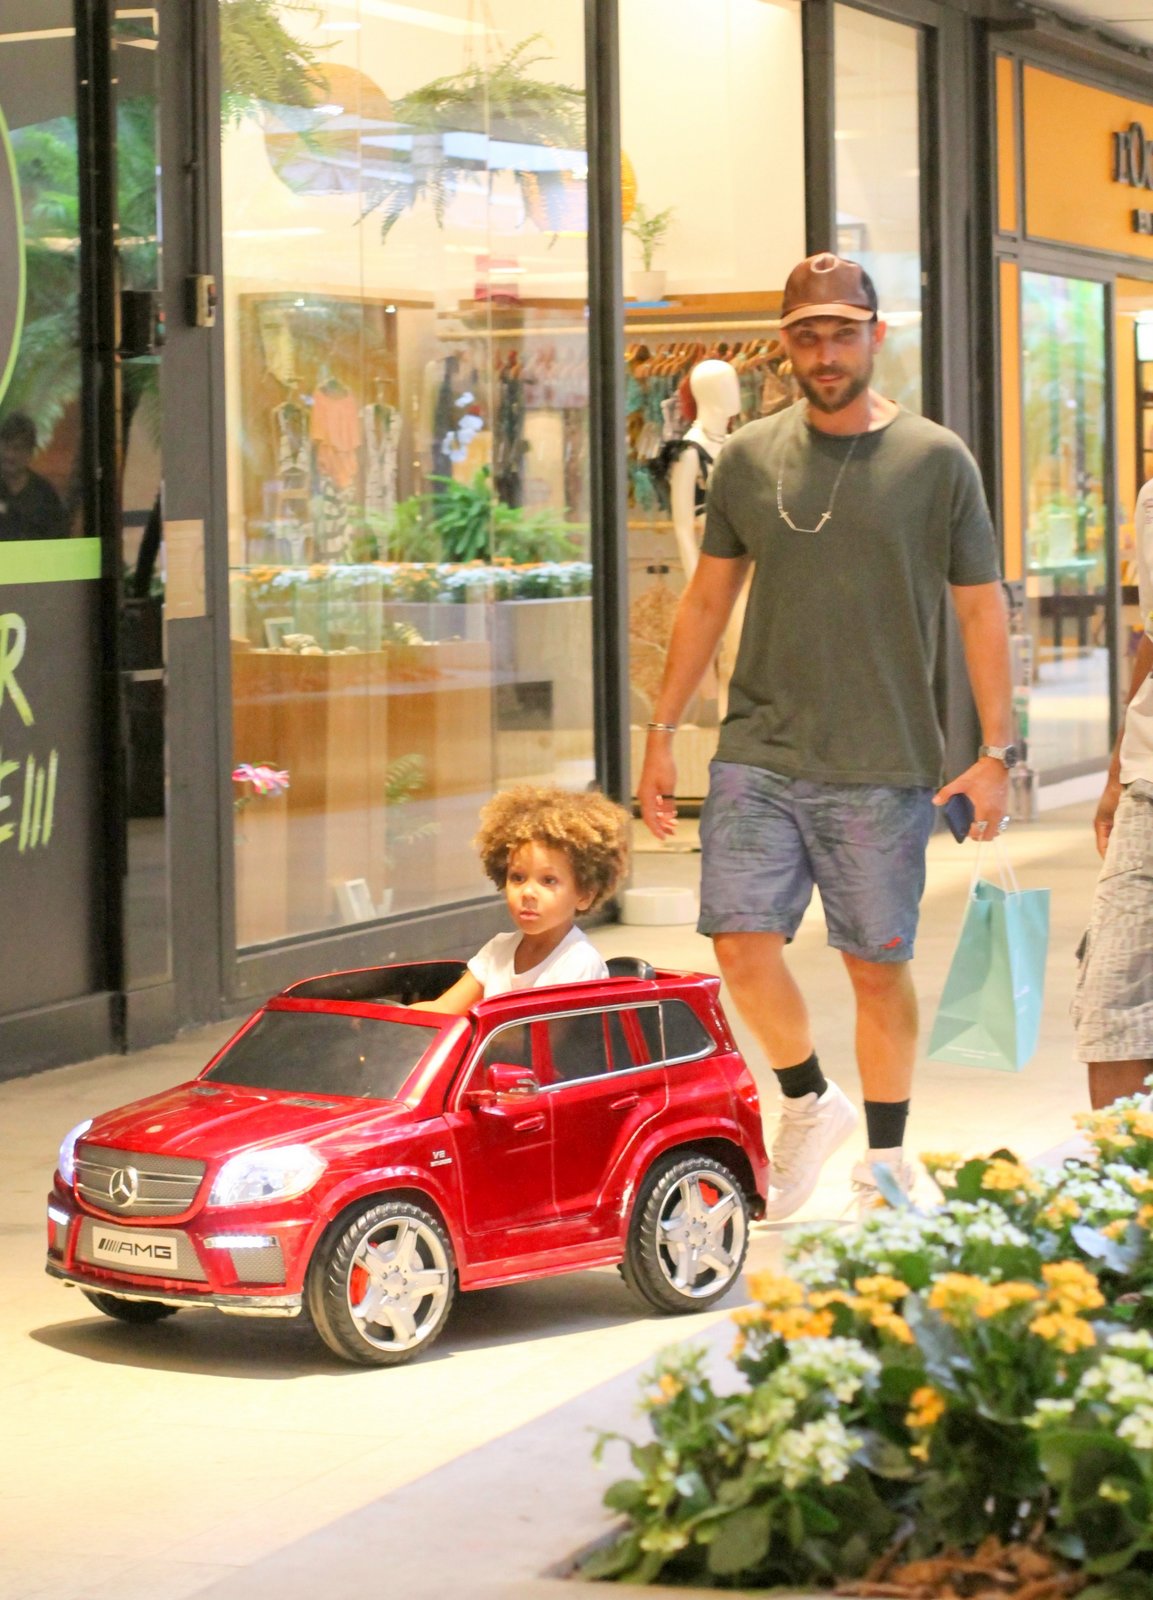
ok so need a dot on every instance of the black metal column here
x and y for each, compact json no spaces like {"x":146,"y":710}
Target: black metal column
{"x":817,"y":52}
{"x":606,"y":399}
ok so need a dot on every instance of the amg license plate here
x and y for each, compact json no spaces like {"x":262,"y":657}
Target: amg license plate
{"x":131,"y":1248}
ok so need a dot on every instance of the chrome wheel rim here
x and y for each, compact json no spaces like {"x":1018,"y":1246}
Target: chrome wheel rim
{"x":701,"y":1234}
{"x":398,"y":1283}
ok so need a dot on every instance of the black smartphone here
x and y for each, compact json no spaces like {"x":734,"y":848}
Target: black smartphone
{"x":959,"y":813}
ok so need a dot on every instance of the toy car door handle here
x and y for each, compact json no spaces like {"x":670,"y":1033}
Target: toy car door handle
{"x":625,"y":1102}
{"x":529,"y":1124}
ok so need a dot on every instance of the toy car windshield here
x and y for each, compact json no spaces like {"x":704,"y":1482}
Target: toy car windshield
{"x":325,"y":1053}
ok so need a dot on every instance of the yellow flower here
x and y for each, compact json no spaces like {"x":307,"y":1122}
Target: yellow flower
{"x":926,"y":1407}
{"x":749,"y":1317}
{"x":1071,"y":1287}
{"x":1141,"y":1123}
{"x":1145,"y":1216}
{"x":1062,"y":1208}
{"x":1116,"y":1230}
{"x":829,"y":1297}
{"x":1008,"y":1177}
{"x":1004,"y":1296}
{"x":1141,"y":1185}
{"x":669,"y":1386}
{"x":896,"y":1327}
{"x":957,"y":1295}
{"x":921,"y":1451}
{"x":738,"y":1349}
{"x":1067,"y":1332}
{"x":772,"y":1289}
{"x":882,"y":1288}
{"x":798,"y":1322}
{"x":935,"y":1161}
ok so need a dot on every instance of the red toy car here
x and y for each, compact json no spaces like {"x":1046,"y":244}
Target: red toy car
{"x":360,"y":1161}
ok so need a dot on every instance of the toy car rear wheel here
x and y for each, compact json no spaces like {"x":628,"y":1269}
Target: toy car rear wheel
{"x":139,"y":1312}
{"x":380,"y":1290}
{"x":688,"y":1234}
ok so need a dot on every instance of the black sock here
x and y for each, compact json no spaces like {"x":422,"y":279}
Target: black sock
{"x":805,"y":1078}
{"x":885,"y":1123}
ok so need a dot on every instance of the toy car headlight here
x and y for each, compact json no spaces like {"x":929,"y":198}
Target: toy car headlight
{"x":66,"y":1160}
{"x":276,"y":1174}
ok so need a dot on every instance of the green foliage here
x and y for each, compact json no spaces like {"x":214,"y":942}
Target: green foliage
{"x":649,"y":229}
{"x":501,"y":102}
{"x":262,"y":62}
{"x":404,"y":778}
{"x":981,"y":1371}
{"x":471,"y":524}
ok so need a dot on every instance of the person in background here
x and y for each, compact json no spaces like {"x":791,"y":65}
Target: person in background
{"x":1113,"y":1000}
{"x":30,"y":508}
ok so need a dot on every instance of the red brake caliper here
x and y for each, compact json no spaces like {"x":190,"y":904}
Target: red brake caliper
{"x":357,"y":1284}
{"x":708,"y":1194}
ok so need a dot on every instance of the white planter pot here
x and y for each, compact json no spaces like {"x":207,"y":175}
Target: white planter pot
{"x":649,"y":285}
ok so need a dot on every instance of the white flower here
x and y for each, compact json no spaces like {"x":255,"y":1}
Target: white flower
{"x":840,"y":1365}
{"x":1137,"y":1428}
{"x":821,"y":1451}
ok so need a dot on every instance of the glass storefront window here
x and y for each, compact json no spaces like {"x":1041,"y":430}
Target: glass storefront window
{"x":717,"y":164}
{"x":405,"y":304}
{"x":51,"y":825}
{"x":1063,"y":343}
{"x":878,"y":178}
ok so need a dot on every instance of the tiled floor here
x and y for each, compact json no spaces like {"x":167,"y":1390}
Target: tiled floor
{"x":234,"y":1459}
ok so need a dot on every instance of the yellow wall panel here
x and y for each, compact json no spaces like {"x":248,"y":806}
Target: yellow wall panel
{"x":1008,"y":203}
{"x":1012,"y":532}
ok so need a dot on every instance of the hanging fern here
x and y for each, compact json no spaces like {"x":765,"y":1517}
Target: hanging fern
{"x":262,"y":62}
{"x":501,"y":102}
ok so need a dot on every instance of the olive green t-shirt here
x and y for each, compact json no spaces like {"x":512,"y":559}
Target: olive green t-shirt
{"x":833,"y":680}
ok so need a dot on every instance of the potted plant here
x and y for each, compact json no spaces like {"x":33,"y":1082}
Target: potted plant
{"x":649,"y":230}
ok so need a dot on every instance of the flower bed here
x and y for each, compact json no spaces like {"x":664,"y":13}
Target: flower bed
{"x":956,"y":1403}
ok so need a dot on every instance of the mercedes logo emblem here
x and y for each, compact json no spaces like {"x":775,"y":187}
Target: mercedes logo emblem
{"x":123,"y":1186}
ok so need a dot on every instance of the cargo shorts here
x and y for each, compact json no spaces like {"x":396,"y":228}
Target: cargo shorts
{"x":766,"y":840}
{"x":1113,"y":999}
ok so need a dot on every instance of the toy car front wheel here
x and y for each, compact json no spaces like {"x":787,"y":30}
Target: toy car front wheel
{"x":688,"y":1235}
{"x":139,"y":1312}
{"x":380,"y":1290}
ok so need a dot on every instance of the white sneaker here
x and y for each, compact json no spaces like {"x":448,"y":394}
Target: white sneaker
{"x":809,"y":1130}
{"x":867,"y":1196}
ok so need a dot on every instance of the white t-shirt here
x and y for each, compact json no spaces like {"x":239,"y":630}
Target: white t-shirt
{"x":1137,"y":743}
{"x":573,"y":961}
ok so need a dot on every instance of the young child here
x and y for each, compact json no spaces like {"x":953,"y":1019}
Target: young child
{"x":555,"y":855}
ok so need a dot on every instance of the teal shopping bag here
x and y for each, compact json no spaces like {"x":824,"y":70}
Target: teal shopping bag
{"x":990,"y":1011}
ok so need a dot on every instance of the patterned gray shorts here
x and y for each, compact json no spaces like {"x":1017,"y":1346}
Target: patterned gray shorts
{"x":766,"y":840}
{"x":1113,"y":1000}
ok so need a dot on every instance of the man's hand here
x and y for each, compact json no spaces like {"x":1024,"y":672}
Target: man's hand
{"x":657,"y":785}
{"x":986,"y":783}
{"x":1106,"y":811}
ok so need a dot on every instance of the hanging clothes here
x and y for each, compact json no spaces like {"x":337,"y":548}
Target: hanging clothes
{"x":335,"y":432}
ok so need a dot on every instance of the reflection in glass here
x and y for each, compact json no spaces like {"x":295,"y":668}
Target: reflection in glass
{"x":705,"y":262}
{"x":40,"y":422}
{"x":405,"y":308}
{"x":878,"y":138}
{"x":1063,"y":359}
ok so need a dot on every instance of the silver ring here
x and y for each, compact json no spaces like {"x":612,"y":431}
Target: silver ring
{"x":1003,"y":824}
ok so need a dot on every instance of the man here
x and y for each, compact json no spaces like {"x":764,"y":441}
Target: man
{"x":30,"y":508}
{"x":853,"y":515}
{"x":1113,"y":1003}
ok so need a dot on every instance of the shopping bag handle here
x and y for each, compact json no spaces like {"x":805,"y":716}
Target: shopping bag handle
{"x":1004,"y":867}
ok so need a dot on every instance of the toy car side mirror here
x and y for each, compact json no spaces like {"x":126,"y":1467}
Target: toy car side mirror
{"x":505,"y":1085}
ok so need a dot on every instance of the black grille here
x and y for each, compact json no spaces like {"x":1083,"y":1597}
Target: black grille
{"x":134,"y":1183}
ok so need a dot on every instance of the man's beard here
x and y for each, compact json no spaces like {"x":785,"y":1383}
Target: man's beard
{"x":827,"y":403}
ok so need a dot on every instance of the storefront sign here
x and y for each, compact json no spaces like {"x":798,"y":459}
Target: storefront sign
{"x":1133,"y":157}
{"x":49,"y":771}
{"x":1080,"y":190}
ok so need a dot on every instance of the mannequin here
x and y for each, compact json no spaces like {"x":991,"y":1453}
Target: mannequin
{"x":716,"y":389}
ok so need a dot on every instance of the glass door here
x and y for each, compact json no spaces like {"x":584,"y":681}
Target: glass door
{"x":1065,"y":427}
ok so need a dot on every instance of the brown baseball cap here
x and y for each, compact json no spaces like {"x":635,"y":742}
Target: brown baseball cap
{"x":826,"y":285}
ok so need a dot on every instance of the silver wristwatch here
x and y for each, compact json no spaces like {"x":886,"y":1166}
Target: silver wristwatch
{"x":1006,"y":753}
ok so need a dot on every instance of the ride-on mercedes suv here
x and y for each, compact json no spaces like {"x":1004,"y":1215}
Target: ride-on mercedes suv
{"x":352,"y":1156}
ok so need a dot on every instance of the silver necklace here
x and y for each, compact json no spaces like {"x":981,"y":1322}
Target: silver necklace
{"x":828,"y":511}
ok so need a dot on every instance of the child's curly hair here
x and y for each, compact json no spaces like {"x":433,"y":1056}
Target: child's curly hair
{"x":592,"y":831}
